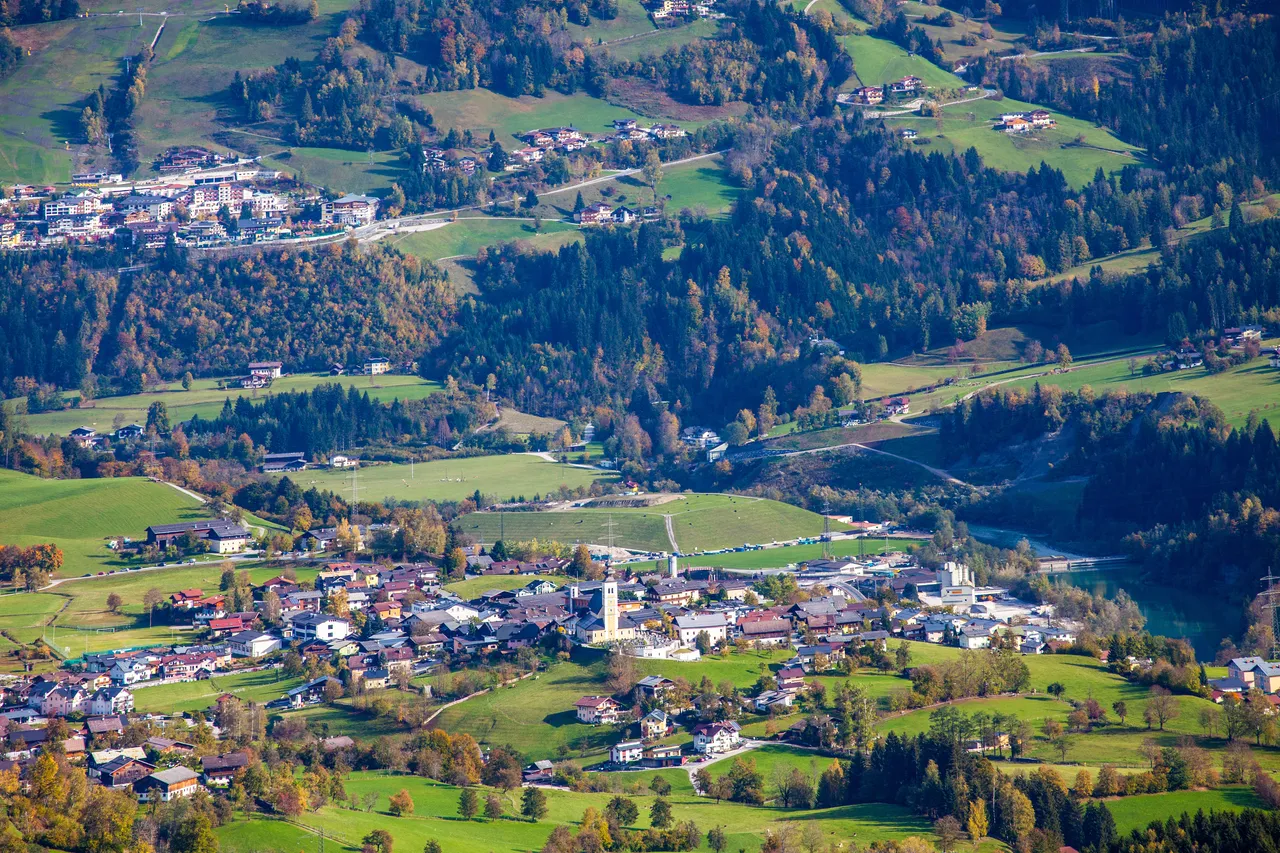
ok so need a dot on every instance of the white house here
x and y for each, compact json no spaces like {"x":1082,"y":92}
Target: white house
{"x":626,"y":752}
{"x":714,"y":624}
{"x":320,"y":626}
{"x":712,"y":738}
{"x":597,"y":710}
{"x":111,"y":700}
{"x":253,"y":644}
{"x":770,"y":699}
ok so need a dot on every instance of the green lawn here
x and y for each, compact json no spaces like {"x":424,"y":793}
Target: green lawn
{"x":877,"y":61}
{"x":481,"y":111}
{"x":501,"y":477}
{"x":700,"y":186}
{"x":631,"y":19}
{"x":78,"y":515}
{"x":656,"y":42}
{"x":1246,"y":388}
{"x":465,"y":237}
{"x":205,"y":399}
{"x":639,"y":530}
{"x":973,"y":125}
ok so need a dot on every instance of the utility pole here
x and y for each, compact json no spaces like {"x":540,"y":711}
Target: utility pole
{"x":1271,"y":602}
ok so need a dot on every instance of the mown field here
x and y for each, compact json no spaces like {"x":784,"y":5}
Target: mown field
{"x":877,"y":61}
{"x":205,"y":399}
{"x":79,"y":515}
{"x":699,"y":186}
{"x":699,"y":522}
{"x":515,"y":475}
{"x":656,"y":42}
{"x":482,"y":111}
{"x":336,"y":169}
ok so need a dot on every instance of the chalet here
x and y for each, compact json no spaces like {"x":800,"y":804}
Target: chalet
{"x":351,"y":210}
{"x":597,"y":710}
{"x":376,"y":366}
{"x":539,"y":771}
{"x":111,"y":700}
{"x":269,"y":369}
{"x":716,"y":737}
{"x":339,"y":460}
{"x":123,"y":771}
{"x":623,"y":215}
{"x":678,"y":593}
{"x":130,"y":431}
{"x":907,"y":84}
{"x":167,"y":785}
{"x":869,"y":95}
{"x":84,"y":436}
{"x":790,"y":679}
{"x":310,"y":693}
{"x":667,"y":131}
{"x":624,"y":124}
{"x":228,"y":625}
{"x":909,"y":133}
{"x":594,"y":214}
{"x":167,"y":746}
{"x":1016,"y":124}
{"x":766,"y":632}
{"x":627,"y":752}
{"x":897,"y":406}
{"x":655,"y":725}
{"x":220,"y":770}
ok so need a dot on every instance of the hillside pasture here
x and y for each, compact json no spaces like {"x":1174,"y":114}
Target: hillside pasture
{"x":337,"y":169}
{"x":467,"y":236}
{"x":638,"y":530}
{"x":777,"y":558}
{"x":506,"y":476}
{"x":205,"y":399}
{"x":261,"y":687}
{"x":79,"y":515}
{"x":482,"y":111}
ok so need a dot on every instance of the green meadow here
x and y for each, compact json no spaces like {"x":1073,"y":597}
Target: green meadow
{"x":337,"y":169}
{"x":482,"y":111}
{"x":877,"y":61}
{"x":501,"y":477}
{"x":699,"y":522}
{"x":1076,"y":148}
{"x":261,"y":687}
{"x":467,"y":236}
{"x":777,"y":558}
{"x":79,"y":515}
{"x":205,"y":399}
{"x":656,"y":42}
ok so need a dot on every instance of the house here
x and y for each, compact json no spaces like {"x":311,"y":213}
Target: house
{"x":653,"y":686}
{"x":597,"y":710}
{"x":770,"y":699}
{"x":909,"y":133}
{"x":84,"y":436}
{"x":387,"y":610}
{"x":220,"y":770}
{"x":714,"y":625}
{"x":663,"y":755}
{"x":655,"y":724}
{"x":539,"y":771}
{"x":130,"y":431}
{"x":700,"y":437}
{"x":897,"y":406}
{"x":910,"y":83}
{"x":338,"y":460}
{"x":253,"y":644}
{"x":627,"y":752}
{"x":63,"y":700}
{"x":123,"y":771}
{"x":716,"y":737}
{"x":765,"y":631}
{"x":1016,"y":124}
{"x":311,"y":692}
{"x":376,"y":366}
{"x":667,"y":131}
{"x":111,"y":700}
{"x":168,"y":785}
{"x":1040,"y":118}
{"x":624,"y":124}
{"x":869,"y":95}
{"x":268,"y":369}
{"x":1256,"y":672}
{"x":790,"y":679}
{"x":352,"y":210}
{"x":594,"y":214}
{"x":320,"y":626}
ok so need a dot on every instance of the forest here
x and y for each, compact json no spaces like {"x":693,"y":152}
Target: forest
{"x":69,"y":318}
{"x":16,"y":12}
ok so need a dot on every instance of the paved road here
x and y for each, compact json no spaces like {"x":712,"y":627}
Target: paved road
{"x":694,"y":767}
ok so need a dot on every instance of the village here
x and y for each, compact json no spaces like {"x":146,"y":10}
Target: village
{"x":363,"y":626}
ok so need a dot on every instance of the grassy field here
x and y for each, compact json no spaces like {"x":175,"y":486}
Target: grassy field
{"x":481,"y":111}
{"x":877,"y":61}
{"x":205,"y":399}
{"x":472,"y":587}
{"x":1005,"y":32}
{"x":777,"y":558}
{"x":78,"y":515}
{"x":1132,"y":813}
{"x":435,"y":817}
{"x":261,"y":687}
{"x":1250,"y":387}
{"x":698,"y":186}
{"x":655,"y":43}
{"x":631,"y":20}
{"x":700,"y":522}
{"x":973,"y":125}
{"x":338,"y":169}
{"x":466,"y":237}
{"x":503,"y":477}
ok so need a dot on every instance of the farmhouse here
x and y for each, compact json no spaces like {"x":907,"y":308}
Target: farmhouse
{"x":910,"y":83}
{"x":167,"y":785}
{"x":376,"y":366}
{"x":223,"y":537}
{"x":269,"y":369}
{"x":220,"y":770}
{"x":597,"y":710}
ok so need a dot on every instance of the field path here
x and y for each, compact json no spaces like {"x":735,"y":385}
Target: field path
{"x":671,"y":533}
{"x":187,"y":492}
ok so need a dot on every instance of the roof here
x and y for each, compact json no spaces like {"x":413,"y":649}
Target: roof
{"x":701,"y":620}
{"x":592,"y":701}
{"x":175,"y":775}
